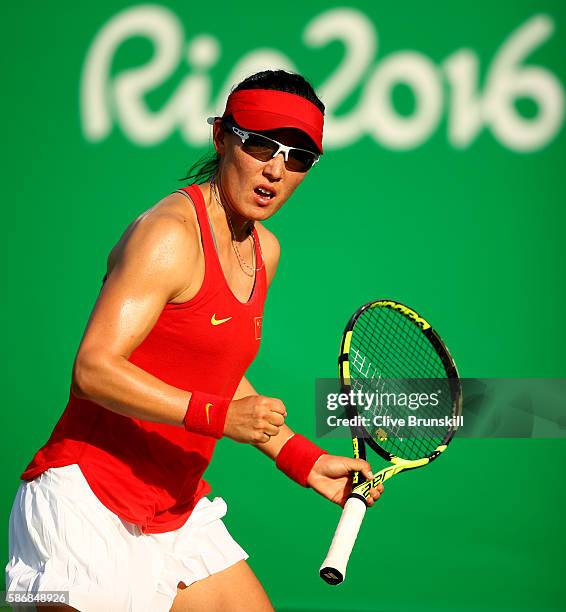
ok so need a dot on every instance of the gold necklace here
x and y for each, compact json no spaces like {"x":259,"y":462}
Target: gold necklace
{"x":244,"y":265}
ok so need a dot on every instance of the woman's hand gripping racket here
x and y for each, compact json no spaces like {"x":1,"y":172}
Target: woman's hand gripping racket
{"x":389,"y":349}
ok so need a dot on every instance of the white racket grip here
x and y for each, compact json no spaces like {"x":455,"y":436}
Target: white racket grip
{"x":333,"y":570}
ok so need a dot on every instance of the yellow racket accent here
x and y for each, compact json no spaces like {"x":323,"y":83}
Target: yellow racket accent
{"x":347,"y":342}
{"x":408,"y":312}
{"x":386,"y":473}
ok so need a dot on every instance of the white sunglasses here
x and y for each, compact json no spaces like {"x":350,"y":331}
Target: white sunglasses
{"x":263,"y":148}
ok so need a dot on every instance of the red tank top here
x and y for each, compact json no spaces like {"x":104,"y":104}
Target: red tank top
{"x":147,"y":473}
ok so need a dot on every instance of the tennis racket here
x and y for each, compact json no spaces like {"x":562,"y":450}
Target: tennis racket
{"x":390,"y":350}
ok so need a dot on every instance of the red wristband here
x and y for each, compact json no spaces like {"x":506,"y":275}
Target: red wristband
{"x":297,"y":457}
{"x":206,"y":414}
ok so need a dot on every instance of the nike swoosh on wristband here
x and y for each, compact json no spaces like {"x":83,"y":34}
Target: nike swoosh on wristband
{"x":216,"y":321}
{"x":207,"y":407}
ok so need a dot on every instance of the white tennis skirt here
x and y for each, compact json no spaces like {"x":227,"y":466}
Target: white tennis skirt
{"x":63,"y":538}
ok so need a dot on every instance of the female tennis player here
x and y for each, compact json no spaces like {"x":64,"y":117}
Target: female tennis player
{"x":113,"y":508}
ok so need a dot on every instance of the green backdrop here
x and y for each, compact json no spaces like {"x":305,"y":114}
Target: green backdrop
{"x":442,"y":186}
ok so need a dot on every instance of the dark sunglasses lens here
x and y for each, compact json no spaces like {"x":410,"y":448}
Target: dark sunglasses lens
{"x":259,"y":147}
{"x":263,"y":149}
{"x":300,"y":161}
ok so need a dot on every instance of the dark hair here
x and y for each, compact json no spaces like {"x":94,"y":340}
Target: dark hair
{"x":281,"y":80}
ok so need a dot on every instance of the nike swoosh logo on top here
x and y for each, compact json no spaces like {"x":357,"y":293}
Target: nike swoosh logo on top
{"x":216,"y":321}
{"x":207,"y":407}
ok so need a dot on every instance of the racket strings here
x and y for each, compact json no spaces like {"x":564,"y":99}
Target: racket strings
{"x":394,"y":438}
{"x":401,"y":342}
{"x":389,"y":354}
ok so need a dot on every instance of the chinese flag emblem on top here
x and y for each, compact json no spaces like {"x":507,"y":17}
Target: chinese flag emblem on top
{"x":257,"y":326}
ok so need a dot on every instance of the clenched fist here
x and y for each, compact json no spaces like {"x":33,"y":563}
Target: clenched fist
{"x":254,"y":419}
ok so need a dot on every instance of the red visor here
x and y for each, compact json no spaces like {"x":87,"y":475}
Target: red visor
{"x":268,"y":109}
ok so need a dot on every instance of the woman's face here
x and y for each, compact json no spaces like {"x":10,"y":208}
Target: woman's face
{"x":241,"y":175}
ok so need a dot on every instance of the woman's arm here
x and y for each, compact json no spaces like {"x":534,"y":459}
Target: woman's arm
{"x":330,"y":475}
{"x":150,"y":271}
{"x":272,"y":447}
{"x":159,"y":258}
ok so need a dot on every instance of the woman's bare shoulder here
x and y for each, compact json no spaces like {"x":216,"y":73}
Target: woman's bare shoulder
{"x":173,"y":220}
{"x":268,"y":238}
{"x":270,"y":250}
